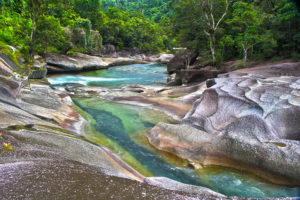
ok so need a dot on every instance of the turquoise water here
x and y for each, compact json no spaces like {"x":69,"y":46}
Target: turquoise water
{"x":115,"y":77}
{"x":125,"y":125}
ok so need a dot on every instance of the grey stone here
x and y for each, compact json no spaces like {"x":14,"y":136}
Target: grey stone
{"x":79,"y":62}
{"x":249,"y":120}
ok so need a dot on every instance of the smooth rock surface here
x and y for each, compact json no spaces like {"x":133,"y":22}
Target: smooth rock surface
{"x":75,"y":63}
{"x":58,"y":63}
{"x":248,"y":120}
{"x":42,"y":101}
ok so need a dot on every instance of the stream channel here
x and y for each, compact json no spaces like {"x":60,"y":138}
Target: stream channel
{"x":121,"y":128}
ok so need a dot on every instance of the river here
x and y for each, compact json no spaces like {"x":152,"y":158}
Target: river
{"x":121,"y":128}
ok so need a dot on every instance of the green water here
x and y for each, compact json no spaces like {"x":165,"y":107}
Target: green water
{"x":122,"y":127}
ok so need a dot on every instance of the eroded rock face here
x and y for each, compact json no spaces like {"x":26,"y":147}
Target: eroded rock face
{"x":249,"y":120}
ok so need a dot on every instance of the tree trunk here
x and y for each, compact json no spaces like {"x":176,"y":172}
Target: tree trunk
{"x":187,"y":61}
{"x":32,"y":29}
{"x":245,"y":57}
{"x":212,"y":47}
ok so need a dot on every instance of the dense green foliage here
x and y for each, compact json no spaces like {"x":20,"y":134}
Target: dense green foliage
{"x":124,"y":29}
{"x":219,"y":30}
{"x":156,"y":10}
{"x":255,"y":29}
{"x":43,"y":26}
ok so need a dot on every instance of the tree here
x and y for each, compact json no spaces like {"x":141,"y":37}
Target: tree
{"x":211,"y":17}
{"x":36,"y":9}
{"x":34,"y":12}
{"x":89,"y":9}
{"x":48,"y":26}
{"x":286,"y":29}
{"x":198,"y":21}
{"x":247,"y":21}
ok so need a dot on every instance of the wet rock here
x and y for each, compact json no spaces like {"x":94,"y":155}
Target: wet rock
{"x":248,"y":120}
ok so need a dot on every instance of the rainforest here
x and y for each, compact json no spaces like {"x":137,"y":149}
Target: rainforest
{"x":149,"y":99}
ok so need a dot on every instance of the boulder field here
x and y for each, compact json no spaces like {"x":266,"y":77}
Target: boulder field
{"x":247,"y":119}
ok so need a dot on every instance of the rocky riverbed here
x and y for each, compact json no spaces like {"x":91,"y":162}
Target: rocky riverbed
{"x":177,"y":103}
{"x":51,"y":159}
{"x":245,"y":120}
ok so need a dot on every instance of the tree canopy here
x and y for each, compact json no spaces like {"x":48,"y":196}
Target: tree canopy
{"x":43,"y":26}
{"x":268,"y":28}
{"x":219,"y":30}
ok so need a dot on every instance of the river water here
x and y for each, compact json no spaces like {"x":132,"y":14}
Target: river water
{"x":121,"y":128}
